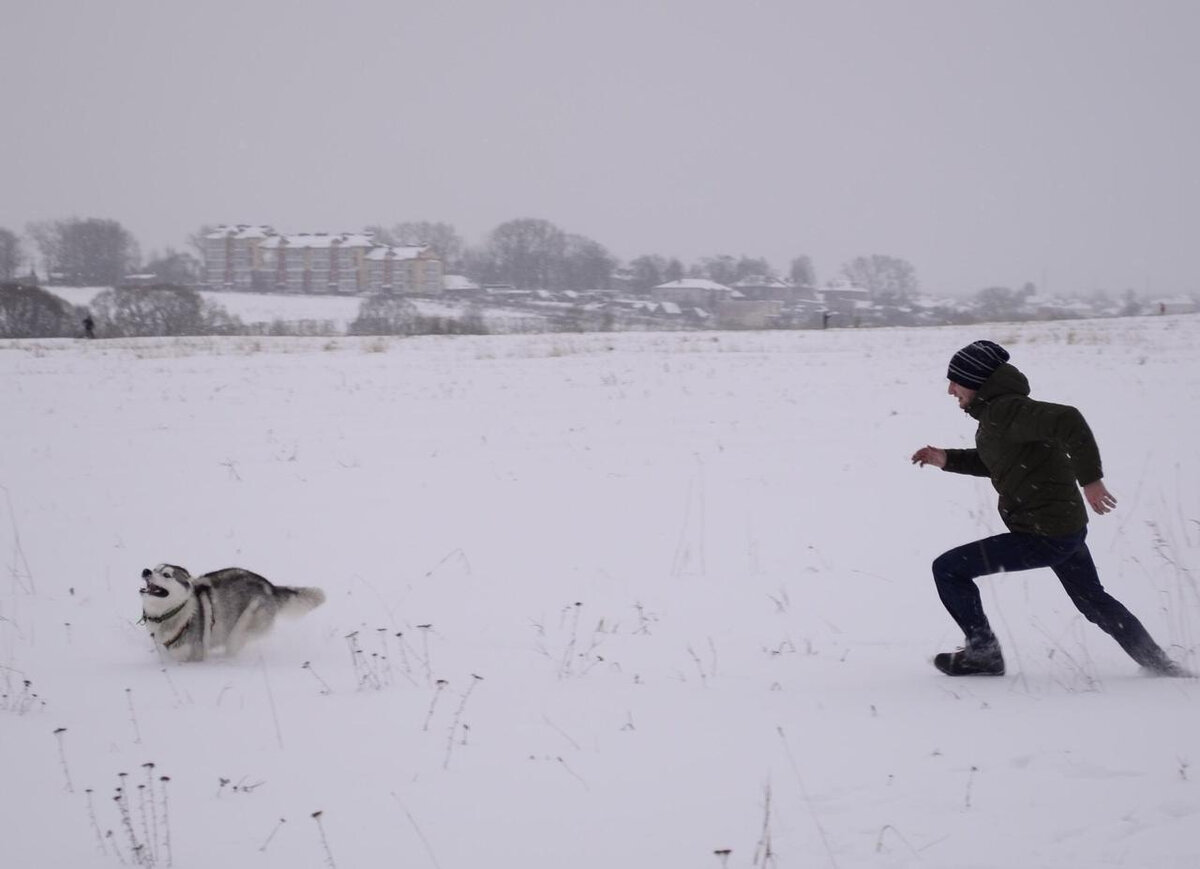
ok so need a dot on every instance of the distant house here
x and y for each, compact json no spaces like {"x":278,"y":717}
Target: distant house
{"x":845,"y":299}
{"x":257,"y":258}
{"x":758,"y":314}
{"x":459,"y":284}
{"x":763,"y":287}
{"x":694,"y":291}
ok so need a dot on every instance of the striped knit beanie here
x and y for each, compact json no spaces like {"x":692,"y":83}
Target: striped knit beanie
{"x":974,"y":364}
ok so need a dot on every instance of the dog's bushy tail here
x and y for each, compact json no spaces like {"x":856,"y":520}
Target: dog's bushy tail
{"x":295,"y":601}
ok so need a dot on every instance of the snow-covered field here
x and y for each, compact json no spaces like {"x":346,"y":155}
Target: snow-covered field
{"x":594,"y":601}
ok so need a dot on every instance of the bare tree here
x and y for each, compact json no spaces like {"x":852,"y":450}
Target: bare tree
{"x":802,"y":272}
{"x":196,"y":240}
{"x":721,"y":268}
{"x":161,"y":311}
{"x":526,"y":253}
{"x":586,"y":265}
{"x":10,"y":254}
{"x":384,"y":315}
{"x":174,"y":267}
{"x":442,"y":237}
{"x":85,"y":252}
{"x":647,"y":271}
{"x":889,"y":279}
{"x":46,"y":239}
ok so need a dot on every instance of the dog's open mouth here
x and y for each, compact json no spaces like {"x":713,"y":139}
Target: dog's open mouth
{"x":154,"y":590}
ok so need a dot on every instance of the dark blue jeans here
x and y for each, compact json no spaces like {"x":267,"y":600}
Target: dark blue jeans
{"x":1068,"y":556}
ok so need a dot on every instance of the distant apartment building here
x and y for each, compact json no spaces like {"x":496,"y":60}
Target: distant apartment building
{"x":258,"y":259}
{"x":232,"y":257}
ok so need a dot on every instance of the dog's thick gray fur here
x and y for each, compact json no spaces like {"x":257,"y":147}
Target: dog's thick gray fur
{"x":191,"y":618}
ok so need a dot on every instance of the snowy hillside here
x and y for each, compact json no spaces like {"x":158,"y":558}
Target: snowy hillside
{"x":594,"y":601}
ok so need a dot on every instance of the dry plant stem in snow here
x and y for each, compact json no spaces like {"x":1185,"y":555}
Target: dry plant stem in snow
{"x":325,"y":689}
{"x":355,"y":655}
{"x":970,"y":782}
{"x":271,"y":700}
{"x":424,"y":629}
{"x":384,"y":657}
{"x":184,"y":698}
{"x":148,"y":841}
{"x":18,"y":550}
{"x":166,"y":818}
{"x":712,"y":671}
{"x":152,"y":833}
{"x":440,"y":686}
{"x":454,"y":725}
{"x":564,"y":668}
{"x":95,"y":824}
{"x":807,"y":799}
{"x":274,"y":830}
{"x":137,"y":731}
{"x":121,"y":798}
{"x":764,"y":856}
{"x":20,"y":703}
{"x":62,"y":758}
{"x":404,"y":662}
{"x":316,"y":816}
{"x":898,"y":835}
{"x":420,"y":834}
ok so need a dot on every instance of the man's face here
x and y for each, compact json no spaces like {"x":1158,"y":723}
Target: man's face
{"x":965,"y":396}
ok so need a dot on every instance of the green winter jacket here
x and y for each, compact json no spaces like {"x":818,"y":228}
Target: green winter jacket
{"x":1036,"y":453}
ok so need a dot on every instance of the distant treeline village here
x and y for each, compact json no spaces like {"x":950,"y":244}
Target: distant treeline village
{"x":541,"y":276}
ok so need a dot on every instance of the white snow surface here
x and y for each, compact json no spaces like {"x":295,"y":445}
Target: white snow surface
{"x":619,"y":600}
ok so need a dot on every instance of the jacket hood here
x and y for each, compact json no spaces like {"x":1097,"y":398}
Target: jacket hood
{"x":1005,"y":380}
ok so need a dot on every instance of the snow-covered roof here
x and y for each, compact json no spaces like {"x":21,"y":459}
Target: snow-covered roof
{"x":458,"y":282}
{"x":845,"y":288}
{"x":693,"y":284}
{"x":318,"y":240}
{"x":382,"y":252}
{"x":763,"y":281}
{"x":241,"y":231}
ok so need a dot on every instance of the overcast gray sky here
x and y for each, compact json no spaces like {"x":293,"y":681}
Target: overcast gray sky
{"x":988,"y":143}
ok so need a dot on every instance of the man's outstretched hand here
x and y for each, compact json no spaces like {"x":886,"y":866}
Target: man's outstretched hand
{"x":1102,"y":500}
{"x":930,"y":456}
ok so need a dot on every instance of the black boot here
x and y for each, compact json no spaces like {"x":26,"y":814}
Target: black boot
{"x":976,"y":659}
{"x":1161,"y":665}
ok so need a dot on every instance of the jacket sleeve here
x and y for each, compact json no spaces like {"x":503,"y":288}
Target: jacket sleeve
{"x":965,"y":462}
{"x":1060,"y":424}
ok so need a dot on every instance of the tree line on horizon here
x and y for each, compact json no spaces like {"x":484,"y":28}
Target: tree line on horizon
{"x":525,"y":253}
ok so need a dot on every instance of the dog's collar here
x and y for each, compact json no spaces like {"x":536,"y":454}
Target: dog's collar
{"x":179,"y":636}
{"x":164,"y":616}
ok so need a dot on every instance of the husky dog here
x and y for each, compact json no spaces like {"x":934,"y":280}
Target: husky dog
{"x":192,"y":617}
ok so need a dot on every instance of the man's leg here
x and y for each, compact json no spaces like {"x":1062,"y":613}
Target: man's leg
{"x":1078,"y":576}
{"x":955,"y":572}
